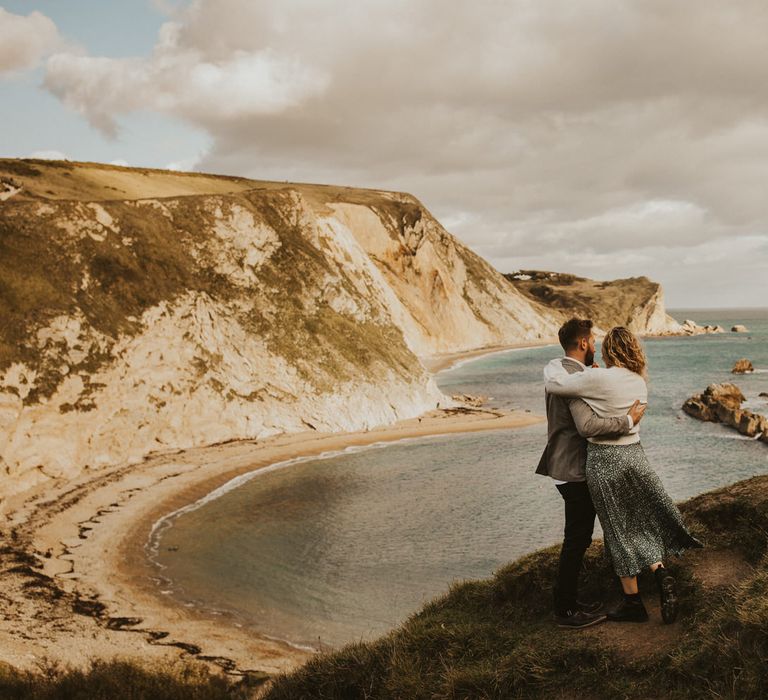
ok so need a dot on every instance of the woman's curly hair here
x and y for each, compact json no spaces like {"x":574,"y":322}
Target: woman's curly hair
{"x":621,"y":348}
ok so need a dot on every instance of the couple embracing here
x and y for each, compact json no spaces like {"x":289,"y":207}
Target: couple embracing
{"x":595,"y":457}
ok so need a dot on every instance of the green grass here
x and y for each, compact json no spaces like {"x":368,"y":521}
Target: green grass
{"x":607,"y":303}
{"x":112,"y":680}
{"x":495,"y":638}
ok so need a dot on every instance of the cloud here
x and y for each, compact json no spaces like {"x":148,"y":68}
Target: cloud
{"x":24,"y":41}
{"x":188,"y":82}
{"x":49,"y":155}
{"x":185,"y":164}
{"x":575,"y":133}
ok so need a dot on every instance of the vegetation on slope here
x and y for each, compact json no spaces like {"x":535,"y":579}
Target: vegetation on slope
{"x":44,"y":269}
{"x":608,"y":303}
{"x":495,"y":638}
{"x":121,"y":679}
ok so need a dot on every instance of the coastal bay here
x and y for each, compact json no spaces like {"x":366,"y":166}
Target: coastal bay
{"x":332,"y":551}
{"x":91,"y":536}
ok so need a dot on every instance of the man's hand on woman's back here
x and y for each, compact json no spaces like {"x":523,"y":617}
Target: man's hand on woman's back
{"x":636,"y":411}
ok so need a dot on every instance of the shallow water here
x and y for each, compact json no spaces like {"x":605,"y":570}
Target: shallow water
{"x":344,"y":548}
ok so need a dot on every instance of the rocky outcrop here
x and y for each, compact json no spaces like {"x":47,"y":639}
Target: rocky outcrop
{"x":8,"y":188}
{"x":721,"y":403}
{"x":738,"y":328}
{"x":636,"y":303}
{"x":145,"y":311}
{"x":689,"y":327}
{"x":742,"y":366}
{"x":470,"y":400}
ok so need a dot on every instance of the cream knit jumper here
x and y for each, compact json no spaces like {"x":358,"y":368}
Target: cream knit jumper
{"x":609,"y":392}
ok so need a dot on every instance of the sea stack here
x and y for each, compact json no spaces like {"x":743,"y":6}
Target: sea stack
{"x":742,"y":366}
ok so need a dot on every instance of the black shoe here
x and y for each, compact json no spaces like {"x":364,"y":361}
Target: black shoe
{"x":629,"y":611}
{"x":577,"y":620}
{"x":667,"y":594}
{"x":591,"y":607}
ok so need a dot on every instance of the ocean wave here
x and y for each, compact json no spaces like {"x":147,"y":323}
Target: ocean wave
{"x":736,"y":436}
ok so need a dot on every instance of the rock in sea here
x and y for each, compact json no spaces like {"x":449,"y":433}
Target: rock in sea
{"x":743,"y":365}
{"x":721,"y":403}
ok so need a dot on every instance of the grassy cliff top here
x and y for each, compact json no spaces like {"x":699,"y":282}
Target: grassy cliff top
{"x":496,"y":639}
{"x":91,"y":182}
{"x":608,"y":303}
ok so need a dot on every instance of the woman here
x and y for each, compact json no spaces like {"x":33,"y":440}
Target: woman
{"x":641,"y":524}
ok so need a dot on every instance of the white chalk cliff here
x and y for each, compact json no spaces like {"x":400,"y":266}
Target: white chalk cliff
{"x":223,"y":309}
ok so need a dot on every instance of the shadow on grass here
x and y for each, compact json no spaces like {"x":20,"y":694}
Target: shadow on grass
{"x":112,"y":680}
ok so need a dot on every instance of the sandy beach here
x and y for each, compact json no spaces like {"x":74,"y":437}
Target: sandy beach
{"x":439,"y":363}
{"x":77,"y":581}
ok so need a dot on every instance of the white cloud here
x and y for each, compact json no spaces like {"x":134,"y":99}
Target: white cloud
{"x":185,"y":164}
{"x":24,"y":41}
{"x":120,"y":162}
{"x":185,"y":82}
{"x":49,"y":155}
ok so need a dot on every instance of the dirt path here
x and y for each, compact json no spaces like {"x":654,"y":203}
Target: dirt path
{"x":711,"y":568}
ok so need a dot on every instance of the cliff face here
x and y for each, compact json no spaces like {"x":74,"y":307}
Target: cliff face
{"x":223,"y":309}
{"x":636,"y":303}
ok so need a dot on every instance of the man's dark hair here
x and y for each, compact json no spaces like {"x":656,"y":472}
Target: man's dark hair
{"x":574,"y":330}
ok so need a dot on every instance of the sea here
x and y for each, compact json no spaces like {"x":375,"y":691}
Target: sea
{"x":326,"y":551}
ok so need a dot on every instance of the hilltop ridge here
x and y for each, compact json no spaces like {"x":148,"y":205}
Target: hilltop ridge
{"x":635,"y":302}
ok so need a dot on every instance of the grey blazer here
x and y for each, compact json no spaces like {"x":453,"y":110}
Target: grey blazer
{"x":569,"y":423}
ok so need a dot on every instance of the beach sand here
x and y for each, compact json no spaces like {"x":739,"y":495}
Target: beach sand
{"x":77,"y":581}
{"x":439,"y":363}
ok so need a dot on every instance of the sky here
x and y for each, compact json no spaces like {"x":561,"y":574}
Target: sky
{"x":605,"y":138}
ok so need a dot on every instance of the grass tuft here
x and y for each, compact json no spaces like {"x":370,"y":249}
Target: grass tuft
{"x":113,"y":680}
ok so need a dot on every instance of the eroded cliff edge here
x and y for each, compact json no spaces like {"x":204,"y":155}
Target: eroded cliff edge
{"x":146,"y":310}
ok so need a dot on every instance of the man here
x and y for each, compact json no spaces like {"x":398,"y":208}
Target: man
{"x":569,"y":423}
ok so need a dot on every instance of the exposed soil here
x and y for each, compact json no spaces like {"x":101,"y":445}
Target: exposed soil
{"x":711,"y":568}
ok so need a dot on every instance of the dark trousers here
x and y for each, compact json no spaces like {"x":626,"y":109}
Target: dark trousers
{"x":579,"y":524}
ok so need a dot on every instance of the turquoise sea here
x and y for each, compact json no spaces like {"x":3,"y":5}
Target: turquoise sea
{"x":326,"y":551}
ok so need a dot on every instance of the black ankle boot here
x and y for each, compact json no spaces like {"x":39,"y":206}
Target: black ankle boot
{"x":631,"y":609}
{"x":667,"y":594}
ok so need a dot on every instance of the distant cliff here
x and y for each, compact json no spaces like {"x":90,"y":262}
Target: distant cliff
{"x":146,"y":310}
{"x":636,"y":303}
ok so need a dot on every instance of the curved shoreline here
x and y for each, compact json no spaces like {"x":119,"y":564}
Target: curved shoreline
{"x":89,"y":537}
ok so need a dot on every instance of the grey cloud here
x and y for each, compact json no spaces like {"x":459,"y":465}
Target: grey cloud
{"x":24,"y":41}
{"x":593,"y":132}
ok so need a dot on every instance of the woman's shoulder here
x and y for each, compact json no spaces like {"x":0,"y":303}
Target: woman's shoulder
{"x":626,"y":375}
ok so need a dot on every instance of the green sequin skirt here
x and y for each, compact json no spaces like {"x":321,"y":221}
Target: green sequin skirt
{"x":641,"y":524}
